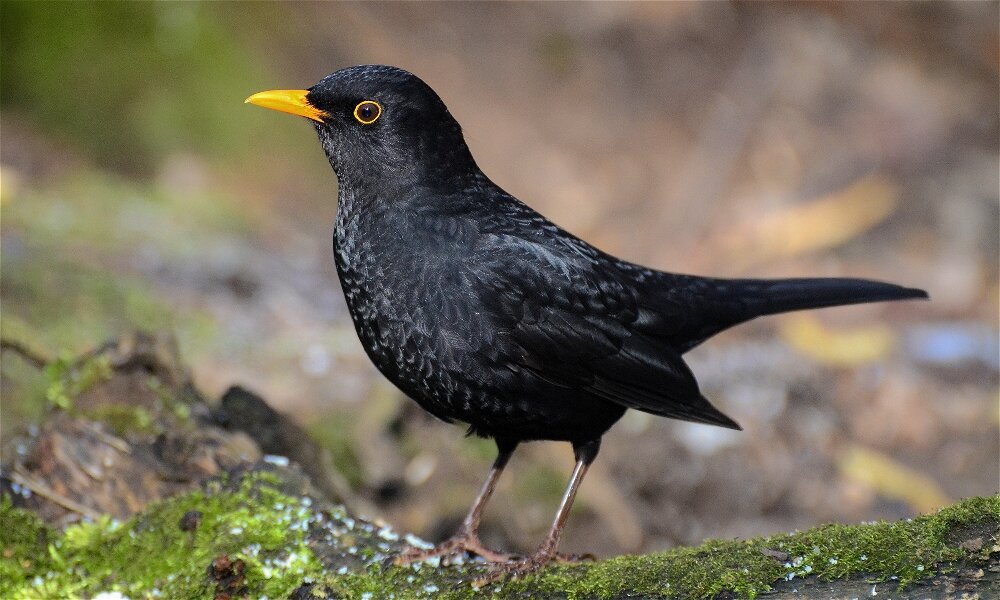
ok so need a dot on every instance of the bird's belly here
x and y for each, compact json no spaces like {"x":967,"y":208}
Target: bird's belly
{"x":426,"y":332}
{"x":452,"y":381}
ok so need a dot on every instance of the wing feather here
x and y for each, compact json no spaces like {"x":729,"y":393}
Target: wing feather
{"x":573,"y":319}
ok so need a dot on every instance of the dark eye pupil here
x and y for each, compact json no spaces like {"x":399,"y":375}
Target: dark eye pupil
{"x":367,"y":111}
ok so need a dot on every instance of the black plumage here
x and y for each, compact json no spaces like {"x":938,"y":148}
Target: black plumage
{"x":485,"y":312}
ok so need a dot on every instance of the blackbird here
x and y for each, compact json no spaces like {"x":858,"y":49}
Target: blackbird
{"x":485,"y":312}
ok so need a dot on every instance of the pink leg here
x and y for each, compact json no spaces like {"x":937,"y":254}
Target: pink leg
{"x":547,"y":550}
{"x":466,"y":540}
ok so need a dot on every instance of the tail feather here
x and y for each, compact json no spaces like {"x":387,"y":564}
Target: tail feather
{"x":784,"y":295}
{"x":723,"y":303}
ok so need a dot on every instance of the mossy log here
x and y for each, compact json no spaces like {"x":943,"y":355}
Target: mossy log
{"x":136,"y":487}
{"x":259,"y":534}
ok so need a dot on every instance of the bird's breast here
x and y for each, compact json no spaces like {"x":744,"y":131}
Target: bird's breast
{"x":410,"y":301}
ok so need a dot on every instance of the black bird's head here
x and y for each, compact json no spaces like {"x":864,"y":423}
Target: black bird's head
{"x":379,"y":125}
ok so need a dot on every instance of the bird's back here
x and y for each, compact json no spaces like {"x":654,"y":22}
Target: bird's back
{"x":484,"y":311}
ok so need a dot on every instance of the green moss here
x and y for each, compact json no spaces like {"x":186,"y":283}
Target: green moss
{"x":256,"y":523}
{"x":169,"y":411}
{"x":270,"y":530}
{"x":67,"y":380}
{"x":24,"y":541}
{"x":124,"y":419}
{"x":906,"y":550}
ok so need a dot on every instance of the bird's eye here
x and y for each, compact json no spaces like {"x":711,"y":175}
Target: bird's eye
{"x":367,"y":112}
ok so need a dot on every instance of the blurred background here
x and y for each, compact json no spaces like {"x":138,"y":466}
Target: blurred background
{"x":726,"y":139}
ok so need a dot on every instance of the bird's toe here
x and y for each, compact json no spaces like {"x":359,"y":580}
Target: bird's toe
{"x":451,"y":551}
{"x":513,"y":569}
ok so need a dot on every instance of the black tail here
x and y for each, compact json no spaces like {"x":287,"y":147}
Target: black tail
{"x":784,"y":295}
{"x":727,"y":302}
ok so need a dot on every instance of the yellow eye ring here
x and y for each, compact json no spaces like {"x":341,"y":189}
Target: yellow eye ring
{"x":367,"y":112}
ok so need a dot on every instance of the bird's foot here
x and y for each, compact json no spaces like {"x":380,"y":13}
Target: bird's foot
{"x":449,"y":550}
{"x":523,"y":566}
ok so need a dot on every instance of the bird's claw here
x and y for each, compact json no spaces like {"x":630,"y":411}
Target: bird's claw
{"x":450,"y":549}
{"x":514,"y":569}
{"x":519,"y":567}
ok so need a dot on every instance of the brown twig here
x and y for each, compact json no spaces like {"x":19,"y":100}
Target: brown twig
{"x":36,"y":359}
{"x":40,"y":489}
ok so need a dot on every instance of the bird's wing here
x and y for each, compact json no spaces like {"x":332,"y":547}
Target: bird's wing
{"x":567,"y":314}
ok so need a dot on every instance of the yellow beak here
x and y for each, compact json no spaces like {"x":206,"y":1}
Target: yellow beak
{"x":289,"y":101}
